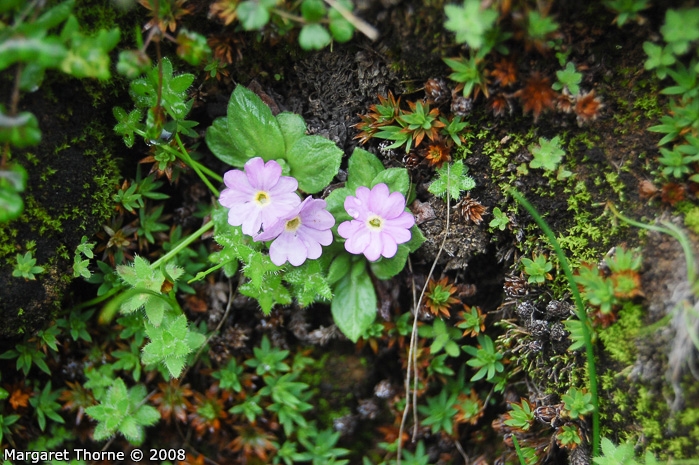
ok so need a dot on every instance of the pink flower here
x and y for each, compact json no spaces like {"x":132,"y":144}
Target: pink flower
{"x":300,"y":235}
{"x":259,"y":196}
{"x":380,"y":222}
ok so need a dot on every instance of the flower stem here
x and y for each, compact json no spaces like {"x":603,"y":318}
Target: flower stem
{"x":197,"y":167}
{"x":182,"y":244}
{"x":582,"y":314}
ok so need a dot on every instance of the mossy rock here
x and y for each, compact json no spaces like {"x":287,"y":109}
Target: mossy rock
{"x":72,"y":176}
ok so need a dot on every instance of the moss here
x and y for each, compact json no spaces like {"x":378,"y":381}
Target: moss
{"x":619,"y":338}
{"x":691,"y":219}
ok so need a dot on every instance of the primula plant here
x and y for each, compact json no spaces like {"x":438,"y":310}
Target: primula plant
{"x":369,"y":215}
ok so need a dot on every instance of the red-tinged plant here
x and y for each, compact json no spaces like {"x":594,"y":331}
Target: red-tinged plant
{"x":421,"y":121}
{"x":672,"y":193}
{"x":165,"y":13}
{"x":499,"y":104}
{"x":381,"y":114}
{"x":252,"y":441}
{"x":440,"y":297}
{"x":504,"y":72}
{"x":438,"y":153}
{"x":537,"y":95}
{"x":587,"y":107}
{"x":76,"y":399}
{"x":225,"y":10}
{"x":172,"y":400}
{"x":209,"y":412}
{"x":472,"y":321}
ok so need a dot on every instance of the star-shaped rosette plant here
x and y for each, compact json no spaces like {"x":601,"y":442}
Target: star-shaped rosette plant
{"x":259,"y":196}
{"x":380,"y":222}
{"x":299,"y":235}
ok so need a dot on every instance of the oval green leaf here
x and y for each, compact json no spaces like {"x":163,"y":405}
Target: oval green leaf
{"x":354,"y":304}
{"x":314,"y":162}
{"x":253,"y":129}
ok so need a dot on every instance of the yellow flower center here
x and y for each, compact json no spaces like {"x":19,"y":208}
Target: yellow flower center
{"x":293,"y":225}
{"x":262,"y":198}
{"x":375,"y":222}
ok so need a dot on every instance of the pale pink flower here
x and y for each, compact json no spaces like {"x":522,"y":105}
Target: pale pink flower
{"x":380,"y":222}
{"x":300,"y":234}
{"x":259,"y":196}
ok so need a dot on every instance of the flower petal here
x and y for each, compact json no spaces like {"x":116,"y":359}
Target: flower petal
{"x":374,"y":247}
{"x":378,"y":196}
{"x":389,"y":247}
{"x":359,"y":240}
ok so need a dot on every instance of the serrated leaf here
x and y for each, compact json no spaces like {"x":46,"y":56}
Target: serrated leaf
{"x":362,"y":168}
{"x":268,"y":293}
{"x":293,"y":128}
{"x":219,"y":142}
{"x":253,"y":129}
{"x":314,"y":162}
{"x":396,"y":179}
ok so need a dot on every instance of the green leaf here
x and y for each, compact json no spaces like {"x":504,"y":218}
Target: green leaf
{"x":452,"y":178}
{"x":253,"y":130}
{"x":386,"y":268}
{"x":314,"y":162}
{"x":54,"y":15}
{"x":470,"y":22}
{"x":396,"y":179}
{"x":219,"y":141}
{"x":252,"y":15}
{"x":268,"y":293}
{"x":293,"y":128}
{"x":314,"y":37}
{"x":47,"y":52}
{"x":339,"y":267}
{"x":341,"y":29}
{"x":362,"y":168}
{"x":336,"y":205}
{"x":354,"y":304}
{"x":21,"y":130}
{"x":416,"y":239}
{"x":313,"y":10}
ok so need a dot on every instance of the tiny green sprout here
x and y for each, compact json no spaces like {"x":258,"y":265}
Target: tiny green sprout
{"x":537,"y":269}
{"x":675,"y":163}
{"x":470,"y":22}
{"x":440,"y":412}
{"x":568,"y":78}
{"x":486,"y":358}
{"x":547,"y":155}
{"x":568,"y":436}
{"x":500,"y":219}
{"x":539,"y":27}
{"x":26,"y":267}
{"x":577,"y":403}
{"x":445,"y":337}
{"x":659,"y":58}
{"x":626,"y":9}
{"x":454,"y":178}
{"x":521,"y":416}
